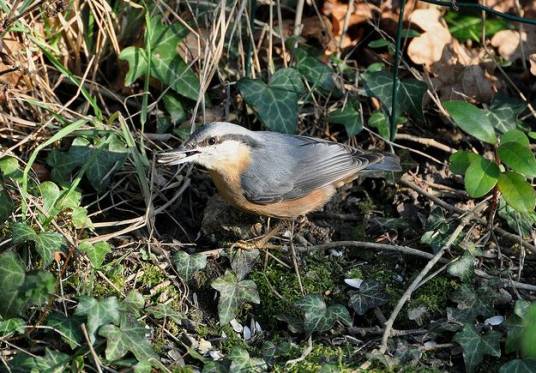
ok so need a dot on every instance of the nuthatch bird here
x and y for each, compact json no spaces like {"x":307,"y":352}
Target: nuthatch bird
{"x":273,"y":174}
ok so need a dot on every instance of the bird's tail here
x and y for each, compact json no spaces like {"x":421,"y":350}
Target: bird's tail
{"x":390,"y":162}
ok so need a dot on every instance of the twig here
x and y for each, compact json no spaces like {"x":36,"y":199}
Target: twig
{"x":514,"y":238}
{"x":91,"y":349}
{"x":425,"y":141}
{"x":415,"y":283}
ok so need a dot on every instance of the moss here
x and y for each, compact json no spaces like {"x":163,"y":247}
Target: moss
{"x":152,"y":275}
{"x":233,"y":340}
{"x":319,"y":276}
{"x":320,"y":355}
{"x":434,"y":294}
{"x":103,"y":288}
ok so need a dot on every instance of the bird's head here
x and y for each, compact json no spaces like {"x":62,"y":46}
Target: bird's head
{"x":213,"y":146}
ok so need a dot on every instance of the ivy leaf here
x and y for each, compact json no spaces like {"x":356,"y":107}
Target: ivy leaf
{"x":460,"y":161}
{"x":38,"y":287}
{"x":46,"y":243}
{"x":519,"y":366}
{"x":242,"y":261}
{"x":473,"y":303}
{"x":518,"y":157}
{"x":98,"y":313}
{"x":166,"y":311}
{"x":129,"y":337}
{"x":241,"y":362}
{"x":504,"y":111}
{"x":174,"y":108}
{"x":68,"y":326}
{"x":349,"y":117}
{"x":517,"y":192}
{"x":51,"y":362}
{"x":187,"y":265}
{"x":318,"y":74}
{"x":475,"y":346}
{"x":12,"y":277}
{"x":370,"y":295}
{"x":472,"y":120}
{"x":276,"y":104}
{"x":105,"y":158}
{"x":232,"y":294}
{"x":314,"y":309}
{"x":50,"y":193}
{"x":379,"y":120}
{"x":528,"y":338}
{"x":480,"y":177}
{"x":9,"y":326}
{"x":95,"y":252}
{"x":411,"y":92}
{"x":137,"y":63}
{"x":463,"y":267}
{"x":340,"y":313}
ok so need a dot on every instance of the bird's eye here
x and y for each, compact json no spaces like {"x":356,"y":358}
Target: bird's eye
{"x":212,"y":141}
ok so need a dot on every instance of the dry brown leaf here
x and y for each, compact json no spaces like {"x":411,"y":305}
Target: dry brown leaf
{"x":9,"y":54}
{"x":500,"y":5}
{"x":532,"y":60}
{"x":427,"y":48}
{"x":513,"y":45}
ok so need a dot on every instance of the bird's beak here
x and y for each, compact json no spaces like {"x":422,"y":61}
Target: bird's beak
{"x":178,"y":156}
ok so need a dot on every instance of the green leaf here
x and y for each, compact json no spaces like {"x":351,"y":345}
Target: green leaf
{"x":276,"y":104}
{"x":187,"y":265}
{"x":504,"y":111}
{"x":46,"y":244}
{"x":517,"y":192}
{"x":369,"y":295}
{"x":516,"y":136}
{"x":163,"y":38}
{"x":22,"y":232}
{"x":475,"y":346}
{"x":166,"y":311}
{"x":519,"y":366}
{"x":528,"y":338}
{"x":314,"y":310}
{"x":38,"y":287}
{"x":349,"y":117}
{"x":410,"y":92}
{"x":318,"y":74}
{"x":104,"y":160}
{"x":460,"y":160}
{"x":9,"y":326}
{"x":480,"y":177}
{"x":463,"y":267}
{"x":469,"y":27}
{"x":80,"y":218}
{"x":128,"y":338}
{"x":174,"y":108}
{"x":379,"y":120}
{"x":95,"y":252}
{"x":6,"y":205}
{"x":340,"y":313}
{"x":70,"y":327}
{"x":9,"y":167}
{"x":176,"y":74}
{"x":232,"y":294}
{"x":98,"y":313}
{"x":51,"y":362}
{"x":12,"y":276}
{"x":243,"y":261}
{"x":50,"y":193}
{"x":241,"y":362}
{"x":472,"y":120}
{"x":137,"y":63}
{"x":518,"y":157}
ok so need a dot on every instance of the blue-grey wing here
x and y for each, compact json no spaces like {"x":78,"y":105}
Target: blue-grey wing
{"x":291,"y":167}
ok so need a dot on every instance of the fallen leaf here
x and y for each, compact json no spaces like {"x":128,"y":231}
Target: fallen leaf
{"x":428,"y":47}
{"x":513,"y":45}
{"x":532,"y":60}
